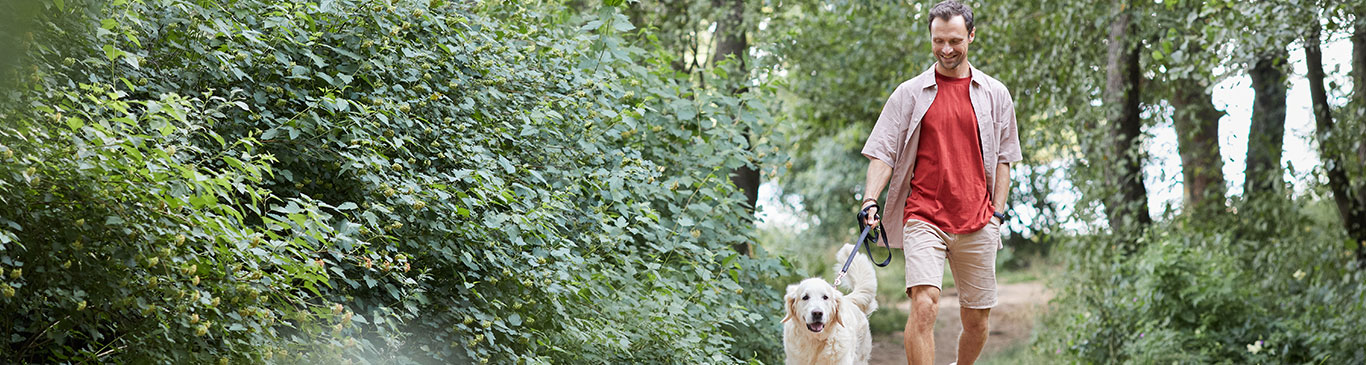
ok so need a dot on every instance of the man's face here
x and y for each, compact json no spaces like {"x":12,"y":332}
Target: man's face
{"x":950,"y":40}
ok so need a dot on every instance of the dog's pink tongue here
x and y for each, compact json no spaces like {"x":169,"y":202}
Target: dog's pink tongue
{"x":815,"y":327}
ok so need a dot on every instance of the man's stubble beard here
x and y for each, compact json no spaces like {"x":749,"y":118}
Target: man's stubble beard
{"x":954,"y":65}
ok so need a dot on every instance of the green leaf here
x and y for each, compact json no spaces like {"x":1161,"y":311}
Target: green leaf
{"x":684,"y":109}
{"x":592,"y":25}
{"x":621,"y":24}
{"x":110,"y":52}
{"x":232,"y":161}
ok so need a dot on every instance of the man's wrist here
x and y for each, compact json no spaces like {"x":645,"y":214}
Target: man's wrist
{"x":864,"y":204}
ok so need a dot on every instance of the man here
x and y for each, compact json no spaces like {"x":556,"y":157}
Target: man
{"x":945,"y":139}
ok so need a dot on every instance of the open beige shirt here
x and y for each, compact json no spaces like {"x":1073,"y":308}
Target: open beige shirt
{"x":896,"y":137}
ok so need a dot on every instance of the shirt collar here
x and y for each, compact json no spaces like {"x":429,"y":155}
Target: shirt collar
{"x":977,"y":77}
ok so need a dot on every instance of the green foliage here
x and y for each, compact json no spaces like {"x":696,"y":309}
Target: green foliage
{"x":122,"y":236}
{"x":370,"y":181}
{"x":842,"y":60}
{"x":887,"y":320}
{"x":1281,"y":286}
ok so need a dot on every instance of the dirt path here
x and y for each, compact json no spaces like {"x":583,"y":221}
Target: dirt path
{"x":1011,"y":322}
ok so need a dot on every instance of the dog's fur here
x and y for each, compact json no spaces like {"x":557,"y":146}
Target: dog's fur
{"x":840,"y":334}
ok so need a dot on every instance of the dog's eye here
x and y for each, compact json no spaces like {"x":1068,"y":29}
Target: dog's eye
{"x":805,"y":297}
{"x":825,"y":297}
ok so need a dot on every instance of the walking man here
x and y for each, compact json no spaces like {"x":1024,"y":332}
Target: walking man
{"x":945,"y":140}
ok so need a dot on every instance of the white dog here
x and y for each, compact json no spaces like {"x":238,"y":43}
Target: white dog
{"x":824,"y":326}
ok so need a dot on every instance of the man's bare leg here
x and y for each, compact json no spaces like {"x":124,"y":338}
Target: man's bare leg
{"x":920,"y":325}
{"x":974,"y":335}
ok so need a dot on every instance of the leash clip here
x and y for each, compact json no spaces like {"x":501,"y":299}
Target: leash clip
{"x":843,"y":272}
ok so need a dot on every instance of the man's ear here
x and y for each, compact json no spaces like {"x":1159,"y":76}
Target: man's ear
{"x":790,"y":303}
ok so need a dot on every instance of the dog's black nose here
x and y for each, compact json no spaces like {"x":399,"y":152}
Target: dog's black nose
{"x":816,"y":315}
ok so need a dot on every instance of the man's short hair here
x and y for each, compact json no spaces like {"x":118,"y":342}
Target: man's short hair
{"x":948,"y":9}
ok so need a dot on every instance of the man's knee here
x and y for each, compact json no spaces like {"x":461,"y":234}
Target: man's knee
{"x":975,"y":320}
{"x":924,"y":299}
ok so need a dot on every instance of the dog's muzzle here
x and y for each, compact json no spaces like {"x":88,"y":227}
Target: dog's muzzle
{"x":816,"y":324}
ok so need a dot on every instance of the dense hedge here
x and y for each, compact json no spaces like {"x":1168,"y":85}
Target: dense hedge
{"x":257,"y":180}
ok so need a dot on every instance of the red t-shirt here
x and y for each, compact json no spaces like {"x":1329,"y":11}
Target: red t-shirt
{"x":949,"y":189}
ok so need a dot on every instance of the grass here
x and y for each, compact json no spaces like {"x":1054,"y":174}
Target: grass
{"x":887,"y":320}
{"x":1018,"y":354}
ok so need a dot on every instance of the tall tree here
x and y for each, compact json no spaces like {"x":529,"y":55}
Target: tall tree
{"x":1128,"y":208}
{"x":732,"y":42}
{"x":1357,"y":226}
{"x":1196,"y":121}
{"x":1351,"y":208}
{"x":1182,"y":53}
{"x":1359,"y":83}
{"x":1267,"y":133}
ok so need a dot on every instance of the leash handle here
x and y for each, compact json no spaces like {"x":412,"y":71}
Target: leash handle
{"x":867,"y":241}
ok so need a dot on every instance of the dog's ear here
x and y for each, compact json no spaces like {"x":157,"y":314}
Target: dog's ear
{"x":835,"y":310}
{"x":790,"y":302}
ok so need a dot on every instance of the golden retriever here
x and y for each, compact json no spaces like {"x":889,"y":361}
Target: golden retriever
{"x":825,"y":326}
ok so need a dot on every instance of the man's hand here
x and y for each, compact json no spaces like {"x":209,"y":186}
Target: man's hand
{"x":871,"y":219}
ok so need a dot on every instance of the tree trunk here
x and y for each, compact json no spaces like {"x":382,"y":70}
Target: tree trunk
{"x":1356,"y":228}
{"x":731,"y":31}
{"x":1197,"y":135}
{"x":636,"y":13}
{"x":1323,"y":116}
{"x":732,"y":42}
{"x":1267,"y":133}
{"x":1128,"y":208}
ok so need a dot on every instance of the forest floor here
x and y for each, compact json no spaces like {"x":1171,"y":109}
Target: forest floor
{"x":1011,"y":324}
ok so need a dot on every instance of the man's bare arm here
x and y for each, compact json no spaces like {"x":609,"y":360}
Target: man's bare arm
{"x":1001,"y":188}
{"x":878,"y":174}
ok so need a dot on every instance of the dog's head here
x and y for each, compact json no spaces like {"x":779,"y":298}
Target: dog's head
{"x":813,"y":303}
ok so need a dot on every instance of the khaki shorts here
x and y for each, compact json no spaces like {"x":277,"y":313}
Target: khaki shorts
{"x":972,"y":257}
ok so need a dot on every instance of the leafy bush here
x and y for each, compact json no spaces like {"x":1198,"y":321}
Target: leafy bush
{"x":121,"y":237}
{"x":1273,"y":283}
{"x":370,"y":181}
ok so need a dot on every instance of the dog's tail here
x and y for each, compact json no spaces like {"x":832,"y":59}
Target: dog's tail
{"x":861,"y":278}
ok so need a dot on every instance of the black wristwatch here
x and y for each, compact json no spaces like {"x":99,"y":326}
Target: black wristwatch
{"x":999,"y":215}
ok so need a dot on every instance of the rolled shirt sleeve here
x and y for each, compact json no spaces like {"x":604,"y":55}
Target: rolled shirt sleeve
{"x":884,"y":143}
{"x":1009,"y":150}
